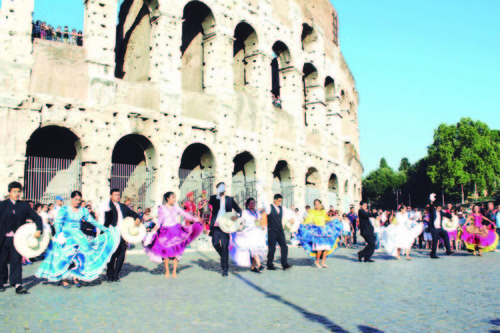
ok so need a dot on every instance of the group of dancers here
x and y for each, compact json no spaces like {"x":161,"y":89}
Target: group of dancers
{"x":73,"y":257}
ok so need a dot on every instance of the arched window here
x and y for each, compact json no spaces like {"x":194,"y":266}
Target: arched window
{"x":281,"y":60}
{"x":308,"y":38}
{"x":329,"y":89}
{"x":244,"y":45}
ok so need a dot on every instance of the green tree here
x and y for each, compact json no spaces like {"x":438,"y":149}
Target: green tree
{"x":405,"y":165}
{"x":383,"y":163}
{"x":464,"y":154}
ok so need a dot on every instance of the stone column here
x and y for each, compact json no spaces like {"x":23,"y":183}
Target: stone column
{"x":292,"y":94}
{"x":218,"y":76}
{"x":96,"y":171}
{"x":99,"y":43}
{"x":16,"y":56}
{"x":165,"y":60}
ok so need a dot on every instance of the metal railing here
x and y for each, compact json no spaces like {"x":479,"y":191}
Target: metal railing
{"x":46,"y":178}
{"x":136,"y":182}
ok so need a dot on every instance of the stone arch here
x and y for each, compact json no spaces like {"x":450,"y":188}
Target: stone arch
{"x":133,"y":35}
{"x":281,"y":60}
{"x":53,"y":164}
{"x":196,"y":170}
{"x":333,"y":190}
{"x":198,"y":22}
{"x":329,"y":89}
{"x":308,"y":38}
{"x":313,"y":185}
{"x":245,"y":45}
{"x":244,"y":177}
{"x":283,"y":182}
{"x":133,"y":169}
{"x":309,"y":82}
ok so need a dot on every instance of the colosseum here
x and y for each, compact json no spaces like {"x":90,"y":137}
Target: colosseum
{"x":181,"y":95}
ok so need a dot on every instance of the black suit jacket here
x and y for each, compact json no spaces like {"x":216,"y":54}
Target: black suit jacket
{"x":432,"y":216}
{"x":111,"y":216}
{"x":365,"y":226}
{"x":230,"y":205}
{"x":16,"y":216}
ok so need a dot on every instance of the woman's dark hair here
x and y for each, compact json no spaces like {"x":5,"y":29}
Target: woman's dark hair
{"x":247,"y":203}
{"x":401,"y":207}
{"x":344,"y":215}
{"x":38,"y":205}
{"x":167,"y":195}
{"x":75,"y":194}
{"x":317,"y":201}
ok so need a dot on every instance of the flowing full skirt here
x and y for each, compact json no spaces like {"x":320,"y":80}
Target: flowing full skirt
{"x":246,"y":244}
{"x":485,"y":238}
{"x":394,"y":237}
{"x":314,"y":238}
{"x":170,"y":242}
{"x":78,"y":257}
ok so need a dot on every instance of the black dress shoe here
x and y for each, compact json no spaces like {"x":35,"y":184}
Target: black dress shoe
{"x":21,"y":291}
{"x":287,"y":267}
{"x":450,"y":253}
{"x":360,"y":257}
{"x":2,"y":288}
{"x":271,"y":268}
{"x":225,"y":273}
{"x":116,"y":280}
{"x":109,"y":280}
{"x":261,"y":268}
{"x":369,"y":260}
{"x":255,"y":270}
{"x":434,"y":257}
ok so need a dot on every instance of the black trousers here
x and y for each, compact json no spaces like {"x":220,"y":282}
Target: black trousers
{"x":117,"y":260}
{"x":274,"y":236}
{"x":354,"y":232}
{"x":436,"y":233}
{"x":367,"y":252}
{"x":220,"y":241}
{"x":16,"y":268}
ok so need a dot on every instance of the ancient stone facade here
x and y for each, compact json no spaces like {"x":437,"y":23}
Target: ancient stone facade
{"x":189,"y":84}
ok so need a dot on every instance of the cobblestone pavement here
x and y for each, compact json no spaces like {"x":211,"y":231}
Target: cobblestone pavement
{"x":458,"y":293}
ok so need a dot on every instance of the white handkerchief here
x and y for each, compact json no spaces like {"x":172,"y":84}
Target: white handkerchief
{"x":60,"y":239}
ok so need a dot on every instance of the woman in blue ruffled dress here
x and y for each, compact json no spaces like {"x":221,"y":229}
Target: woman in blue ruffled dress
{"x":70,"y":254}
{"x":319,"y":234}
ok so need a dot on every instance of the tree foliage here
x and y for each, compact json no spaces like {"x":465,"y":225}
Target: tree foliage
{"x":466,"y":153}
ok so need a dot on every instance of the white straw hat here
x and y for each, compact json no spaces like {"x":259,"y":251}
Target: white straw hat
{"x":132,"y":233}
{"x":26,"y":243}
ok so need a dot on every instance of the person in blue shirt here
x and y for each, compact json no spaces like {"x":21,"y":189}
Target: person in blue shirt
{"x":353,"y":217}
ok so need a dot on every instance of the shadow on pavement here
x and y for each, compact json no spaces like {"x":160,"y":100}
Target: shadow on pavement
{"x":369,"y":329}
{"x":329,"y":325}
{"x":495,"y":322}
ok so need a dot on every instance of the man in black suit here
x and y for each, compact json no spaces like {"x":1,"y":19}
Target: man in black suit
{"x":13,"y":214}
{"x":367,"y":232}
{"x":435,"y":227}
{"x":221,"y":204}
{"x":275,"y":233}
{"x":113,"y":216}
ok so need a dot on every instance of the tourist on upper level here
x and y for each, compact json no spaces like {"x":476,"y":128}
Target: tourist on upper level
{"x":72,"y":37}
{"x":169,"y":238}
{"x":79,"y":39}
{"x":248,"y":246}
{"x":43,"y":30}
{"x":319,"y":234}
{"x":66,"y":34}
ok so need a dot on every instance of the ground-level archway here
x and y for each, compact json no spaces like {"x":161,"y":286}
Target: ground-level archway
{"x":53,"y":164}
{"x":133,"y":170}
{"x":312,"y":183}
{"x":244,"y":178}
{"x":282,"y":183}
{"x":196,"y":171}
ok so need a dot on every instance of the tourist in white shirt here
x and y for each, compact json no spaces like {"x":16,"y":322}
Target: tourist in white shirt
{"x":346,"y":231}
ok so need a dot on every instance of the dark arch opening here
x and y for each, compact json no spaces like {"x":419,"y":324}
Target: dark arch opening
{"x":196,"y":17}
{"x":191,"y":158}
{"x":240,"y":160}
{"x":280,"y":60}
{"x":131,"y":149}
{"x":53,"y":142}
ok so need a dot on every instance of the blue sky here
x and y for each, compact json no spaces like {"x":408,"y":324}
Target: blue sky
{"x":417,"y":63}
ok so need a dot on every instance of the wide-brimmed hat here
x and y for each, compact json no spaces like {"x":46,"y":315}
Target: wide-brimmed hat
{"x":130,"y":232}
{"x":26,"y":243}
{"x":227,"y":224}
{"x":448,"y":224}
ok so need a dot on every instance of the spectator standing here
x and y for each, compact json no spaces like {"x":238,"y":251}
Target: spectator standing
{"x":73,"y":36}
{"x":79,"y":39}
{"x":59,"y":39}
{"x":66,"y":34}
{"x":43,"y":31}
{"x":353,"y":217}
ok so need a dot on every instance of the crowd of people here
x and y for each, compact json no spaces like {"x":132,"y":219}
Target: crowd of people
{"x":42,"y":30}
{"x":85,"y":240}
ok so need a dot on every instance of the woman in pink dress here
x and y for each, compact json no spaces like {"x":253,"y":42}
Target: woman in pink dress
{"x":169,"y":238}
{"x":476,"y":236}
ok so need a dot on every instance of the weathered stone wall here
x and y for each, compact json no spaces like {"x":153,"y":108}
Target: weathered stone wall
{"x":174,"y":100}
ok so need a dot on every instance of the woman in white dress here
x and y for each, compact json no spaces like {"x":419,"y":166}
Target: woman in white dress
{"x":248,"y":246}
{"x":400,"y":235}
